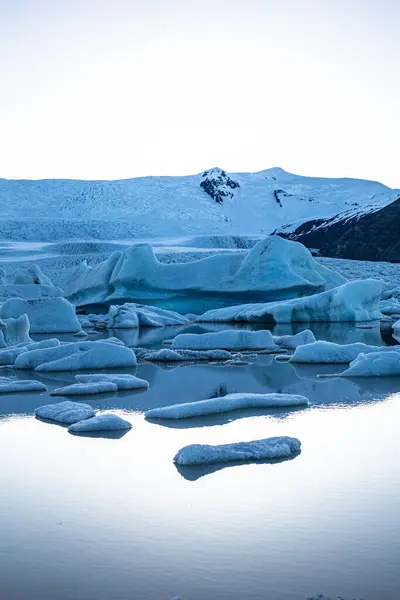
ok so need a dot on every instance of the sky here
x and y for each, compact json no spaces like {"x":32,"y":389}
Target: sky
{"x":109,"y":89}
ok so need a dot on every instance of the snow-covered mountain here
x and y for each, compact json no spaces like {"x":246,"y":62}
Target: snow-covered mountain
{"x":212,"y":202}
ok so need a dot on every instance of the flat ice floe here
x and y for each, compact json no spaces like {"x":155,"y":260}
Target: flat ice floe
{"x":81,"y":389}
{"x":376,"y":364}
{"x":354,"y":301}
{"x":329,"y":352}
{"x":168,"y":355}
{"x":225,"y":404}
{"x":65,"y":412}
{"x":122,"y":381}
{"x":266,"y":449}
{"x":46,"y":315}
{"x":231,"y":339}
{"x":8,"y":385}
{"x":104,"y":354}
{"x":104,"y":422}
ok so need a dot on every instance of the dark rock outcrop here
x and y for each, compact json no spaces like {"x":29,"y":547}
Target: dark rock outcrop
{"x":217,"y":184}
{"x":373,"y":236}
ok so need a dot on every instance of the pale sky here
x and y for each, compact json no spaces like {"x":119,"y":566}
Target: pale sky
{"x":108,"y":89}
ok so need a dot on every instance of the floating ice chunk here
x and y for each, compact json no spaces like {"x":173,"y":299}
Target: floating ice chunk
{"x":65,"y":412}
{"x":267,"y":449}
{"x":14,"y":331}
{"x":390,"y":306}
{"x":104,"y":422}
{"x":81,"y":389}
{"x":225,"y":404}
{"x":291,"y":342}
{"x":352,"y":302}
{"x":8,"y":385}
{"x":376,"y":364}
{"x":167,"y":355}
{"x":231,"y":339}
{"x":80,"y":333}
{"x":77,"y":356}
{"x":329,"y":352}
{"x":122,"y":381}
{"x":9,"y":356}
{"x":29,"y":291}
{"x":29,"y":275}
{"x":132,"y":316}
{"x":46,"y":315}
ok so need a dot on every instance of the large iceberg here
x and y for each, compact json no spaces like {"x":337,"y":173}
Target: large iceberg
{"x":267,"y":449}
{"x":274,"y":269}
{"x":350,"y":302}
{"x":226,"y":403}
{"x":77,"y":356}
{"x":328,"y":352}
{"x":65,"y":412}
{"x":231,"y":339}
{"x":46,"y":315}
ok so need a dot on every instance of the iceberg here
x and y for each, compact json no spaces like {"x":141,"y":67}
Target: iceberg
{"x":9,"y":356}
{"x":104,"y":422}
{"x":274,"y":269}
{"x":14,"y":331}
{"x":226,"y":403}
{"x":77,"y":356}
{"x":82,"y":389}
{"x":8,"y":385}
{"x":266,"y":449}
{"x":167,"y":355}
{"x":28,"y":282}
{"x":353,"y":301}
{"x":122,"y":381}
{"x":231,"y":339}
{"x":65,"y":412}
{"x":329,"y":352}
{"x":46,"y":315}
{"x":376,"y":364}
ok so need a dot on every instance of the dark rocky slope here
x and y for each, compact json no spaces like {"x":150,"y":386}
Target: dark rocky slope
{"x":372,"y":236}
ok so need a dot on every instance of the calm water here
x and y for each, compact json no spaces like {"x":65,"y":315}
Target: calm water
{"x":113,"y":519}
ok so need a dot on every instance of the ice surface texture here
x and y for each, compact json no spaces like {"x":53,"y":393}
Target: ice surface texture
{"x":329,"y":352}
{"x":8,"y":385}
{"x":231,"y":339}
